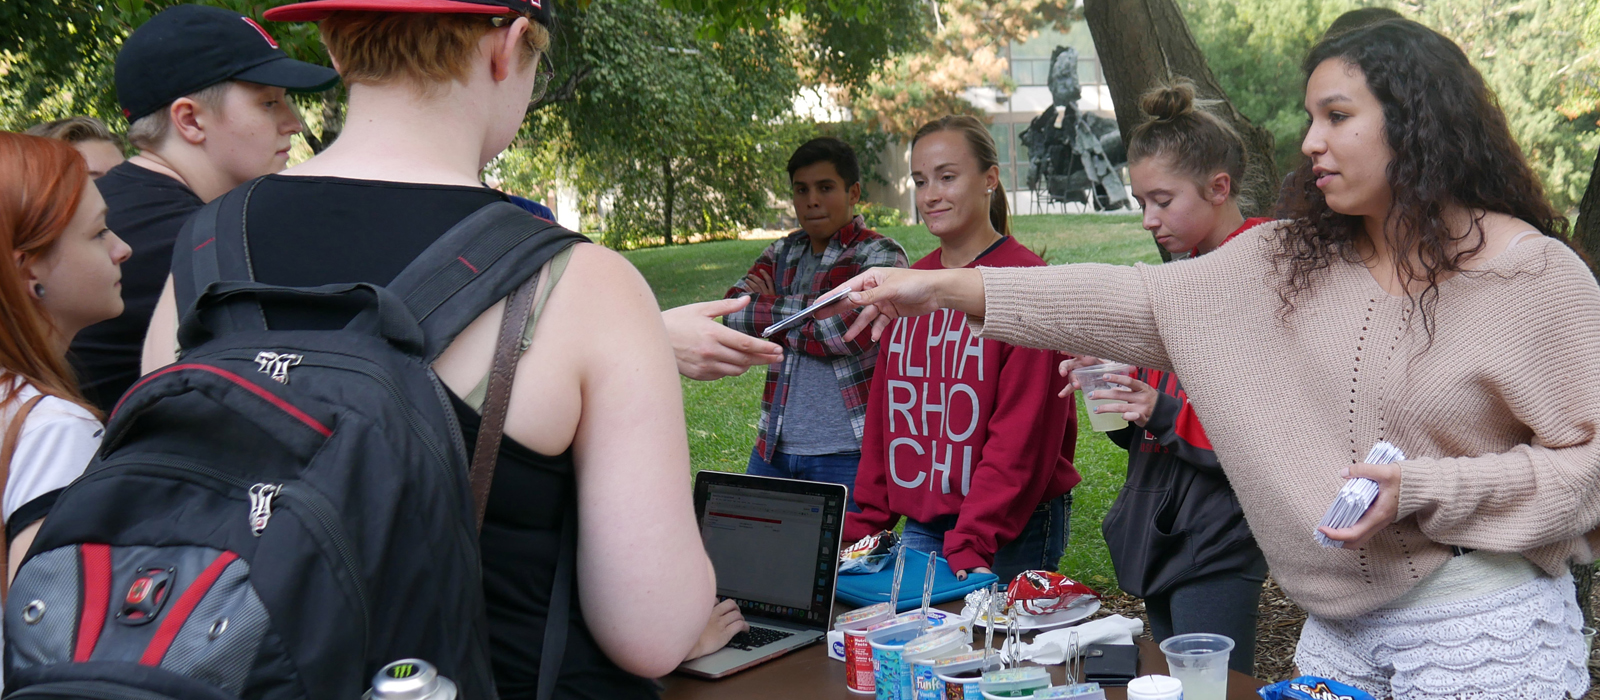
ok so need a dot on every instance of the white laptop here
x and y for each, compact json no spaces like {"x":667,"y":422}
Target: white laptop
{"x":775,"y":546}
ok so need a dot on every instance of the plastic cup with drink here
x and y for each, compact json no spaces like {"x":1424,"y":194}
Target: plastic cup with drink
{"x":1200,"y":661}
{"x":1092,"y":379}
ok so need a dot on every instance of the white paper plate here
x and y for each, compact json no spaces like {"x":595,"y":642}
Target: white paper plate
{"x":1059,"y":618}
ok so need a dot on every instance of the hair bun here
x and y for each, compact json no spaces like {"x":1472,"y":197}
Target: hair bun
{"x":1166,"y":102}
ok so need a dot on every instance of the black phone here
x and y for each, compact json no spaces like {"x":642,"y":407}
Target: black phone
{"x":1110,"y":665}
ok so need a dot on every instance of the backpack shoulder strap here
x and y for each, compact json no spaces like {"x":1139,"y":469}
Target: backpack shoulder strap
{"x":516,"y":329}
{"x":492,"y":399}
{"x":474,"y":265}
{"x":548,"y":277}
{"x":213,"y":247}
{"x":7,"y":449}
{"x":502,"y":372}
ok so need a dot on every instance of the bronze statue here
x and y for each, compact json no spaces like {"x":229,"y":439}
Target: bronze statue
{"x":1074,"y":152}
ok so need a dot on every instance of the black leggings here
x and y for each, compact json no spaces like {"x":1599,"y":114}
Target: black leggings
{"x":1225,"y":603}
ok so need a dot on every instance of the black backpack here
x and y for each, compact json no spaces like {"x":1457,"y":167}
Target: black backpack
{"x":282,"y":512}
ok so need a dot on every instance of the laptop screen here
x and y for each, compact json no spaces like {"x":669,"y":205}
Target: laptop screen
{"x":774,"y":544}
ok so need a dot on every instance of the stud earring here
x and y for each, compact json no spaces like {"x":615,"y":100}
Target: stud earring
{"x":988,"y":191}
{"x":38,"y":290}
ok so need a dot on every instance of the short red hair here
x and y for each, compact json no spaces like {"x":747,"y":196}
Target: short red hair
{"x":424,"y":49}
{"x":41,"y":186}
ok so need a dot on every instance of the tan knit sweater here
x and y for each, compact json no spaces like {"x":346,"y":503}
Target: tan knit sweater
{"x":1499,"y":417}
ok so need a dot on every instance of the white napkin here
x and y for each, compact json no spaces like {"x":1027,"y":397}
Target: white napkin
{"x":1050,"y":648}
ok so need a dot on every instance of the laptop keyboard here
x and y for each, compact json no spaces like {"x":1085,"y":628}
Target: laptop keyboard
{"x":757,"y":637}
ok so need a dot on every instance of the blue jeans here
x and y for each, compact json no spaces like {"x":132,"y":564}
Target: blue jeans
{"x":837,"y":468}
{"x":1040,"y":545}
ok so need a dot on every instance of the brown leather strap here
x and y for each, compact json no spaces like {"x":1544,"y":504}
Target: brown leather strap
{"x":507,"y":350}
{"x":8,"y":448}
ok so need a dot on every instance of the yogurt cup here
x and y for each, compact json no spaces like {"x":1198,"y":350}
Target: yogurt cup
{"x":960,"y":674}
{"x":857,"y":653}
{"x":921,"y":653}
{"x":890,"y":676}
{"x":1076,"y":691}
{"x":1020,"y":682}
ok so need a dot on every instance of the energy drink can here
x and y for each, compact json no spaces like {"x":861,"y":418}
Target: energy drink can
{"x":410,"y":679}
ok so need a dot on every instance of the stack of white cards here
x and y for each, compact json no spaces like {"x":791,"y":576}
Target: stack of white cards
{"x":1356,"y":496}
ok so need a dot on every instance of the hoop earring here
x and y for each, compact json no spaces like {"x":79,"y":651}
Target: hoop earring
{"x":38,"y":290}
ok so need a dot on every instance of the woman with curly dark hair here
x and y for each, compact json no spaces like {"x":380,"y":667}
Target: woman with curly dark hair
{"x":1421,"y":293}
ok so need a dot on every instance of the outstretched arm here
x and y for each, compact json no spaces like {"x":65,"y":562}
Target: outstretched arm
{"x":708,"y":350}
{"x":1083,"y":309}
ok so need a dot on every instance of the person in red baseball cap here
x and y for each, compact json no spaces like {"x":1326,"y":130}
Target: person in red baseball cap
{"x":595,"y":426}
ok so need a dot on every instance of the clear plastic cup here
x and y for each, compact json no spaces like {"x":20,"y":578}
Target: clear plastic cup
{"x":1091,"y":379}
{"x":1200,"y":661}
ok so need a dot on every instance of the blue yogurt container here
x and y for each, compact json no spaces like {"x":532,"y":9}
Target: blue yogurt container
{"x":891,"y":678}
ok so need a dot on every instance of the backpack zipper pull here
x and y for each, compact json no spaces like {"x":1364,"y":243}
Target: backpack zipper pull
{"x":261,"y":496}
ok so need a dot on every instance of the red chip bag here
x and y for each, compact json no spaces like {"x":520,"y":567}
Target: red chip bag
{"x":1045,"y":592}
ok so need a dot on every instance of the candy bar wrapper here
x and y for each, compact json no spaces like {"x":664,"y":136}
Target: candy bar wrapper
{"x":1311,"y":688}
{"x":1045,"y":592}
{"x":870,"y":554}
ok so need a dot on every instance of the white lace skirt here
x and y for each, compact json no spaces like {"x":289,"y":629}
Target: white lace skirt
{"x":1520,"y":642}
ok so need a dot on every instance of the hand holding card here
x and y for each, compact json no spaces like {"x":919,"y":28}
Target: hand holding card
{"x":805,"y":313}
{"x":1355,"y":497}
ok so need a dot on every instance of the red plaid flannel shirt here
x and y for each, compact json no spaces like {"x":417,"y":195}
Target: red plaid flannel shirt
{"x":853,"y":249}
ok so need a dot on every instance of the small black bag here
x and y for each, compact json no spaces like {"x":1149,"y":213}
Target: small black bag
{"x":281,"y":512}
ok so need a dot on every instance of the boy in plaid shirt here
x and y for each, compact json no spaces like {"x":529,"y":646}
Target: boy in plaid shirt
{"x":813,"y":410}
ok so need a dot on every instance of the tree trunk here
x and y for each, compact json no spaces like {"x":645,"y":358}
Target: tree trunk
{"x":1586,"y":233}
{"x":1144,"y":42}
{"x":670,"y":189}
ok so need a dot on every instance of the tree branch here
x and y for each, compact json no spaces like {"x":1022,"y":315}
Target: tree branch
{"x":567,"y":91}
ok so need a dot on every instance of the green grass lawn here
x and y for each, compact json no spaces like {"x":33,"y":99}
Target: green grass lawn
{"x":722,"y":414}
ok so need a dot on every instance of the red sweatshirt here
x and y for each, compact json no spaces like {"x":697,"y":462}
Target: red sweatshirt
{"x":963,"y":425}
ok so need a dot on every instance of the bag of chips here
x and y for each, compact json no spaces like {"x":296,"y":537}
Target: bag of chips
{"x":870,"y":554}
{"x":1045,"y":592}
{"x":1311,"y":688}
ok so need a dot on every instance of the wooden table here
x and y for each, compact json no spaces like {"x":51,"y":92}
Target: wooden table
{"x":809,"y":673}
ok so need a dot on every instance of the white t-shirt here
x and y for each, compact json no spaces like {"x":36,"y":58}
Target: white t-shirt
{"x":55,"y":445}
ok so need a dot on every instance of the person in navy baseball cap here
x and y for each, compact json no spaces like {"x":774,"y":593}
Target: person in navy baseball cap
{"x":187,"y":48}
{"x":203,"y":91}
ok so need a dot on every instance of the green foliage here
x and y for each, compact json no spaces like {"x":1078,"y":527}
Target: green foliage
{"x":880,"y":216}
{"x":55,"y":61}
{"x":674,"y":129}
{"x":1545,"y":69}
{"x":1541,"y":57}
{"x":842,"y":41}
{"x":56,"y":56}
{"x":1255,"y":48}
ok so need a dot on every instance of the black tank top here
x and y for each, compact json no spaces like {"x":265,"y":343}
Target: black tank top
{"x":309,"y":231}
